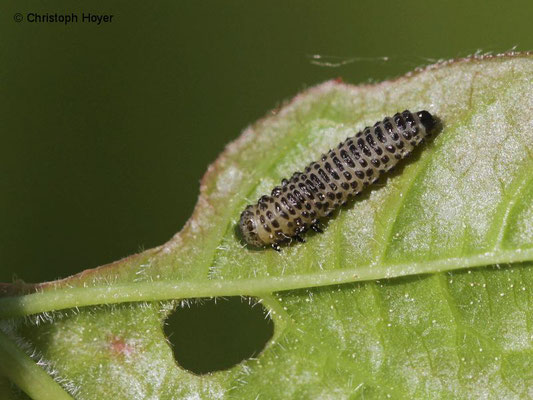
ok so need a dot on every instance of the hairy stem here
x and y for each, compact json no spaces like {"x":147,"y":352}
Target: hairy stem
{"x":18,"y":367}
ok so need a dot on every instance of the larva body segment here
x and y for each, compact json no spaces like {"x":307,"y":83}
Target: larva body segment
{"x":344,"y":171}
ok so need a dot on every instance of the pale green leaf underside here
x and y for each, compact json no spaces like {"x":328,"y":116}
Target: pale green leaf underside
{"x":465,"y":200}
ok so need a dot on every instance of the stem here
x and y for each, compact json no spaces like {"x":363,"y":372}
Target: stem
{"x":18,"y":367}
{"x":57,"y":299}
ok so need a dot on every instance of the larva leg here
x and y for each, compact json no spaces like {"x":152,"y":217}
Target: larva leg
{"x":275,"y":246}
{"x":316,"y":228}
{"x":299,"y":238}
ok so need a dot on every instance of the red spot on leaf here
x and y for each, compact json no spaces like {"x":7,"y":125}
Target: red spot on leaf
{"x":119,"y":347}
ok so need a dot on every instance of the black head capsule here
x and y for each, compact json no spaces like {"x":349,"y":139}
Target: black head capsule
{"x":427,"y":120}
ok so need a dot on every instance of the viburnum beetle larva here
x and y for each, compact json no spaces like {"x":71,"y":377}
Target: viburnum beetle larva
{"x":344,"y":171}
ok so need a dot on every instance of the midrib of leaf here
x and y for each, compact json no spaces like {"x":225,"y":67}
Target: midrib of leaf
{"x":159,"y":290}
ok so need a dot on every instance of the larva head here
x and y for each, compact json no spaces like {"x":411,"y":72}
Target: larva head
{"x":427,"y":120}
{"x":248,"y":227}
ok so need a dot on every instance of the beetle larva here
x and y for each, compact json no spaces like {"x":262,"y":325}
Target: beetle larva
{"x":344,"y":171}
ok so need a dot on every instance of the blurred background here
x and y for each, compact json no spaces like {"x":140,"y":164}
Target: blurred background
{"x":107,"y":129}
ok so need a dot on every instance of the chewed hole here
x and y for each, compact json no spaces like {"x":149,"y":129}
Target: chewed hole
{"x":208,"y":335}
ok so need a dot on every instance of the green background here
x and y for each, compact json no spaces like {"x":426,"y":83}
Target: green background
{"x":106,"y":130}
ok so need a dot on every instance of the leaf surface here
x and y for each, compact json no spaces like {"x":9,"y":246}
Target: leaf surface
{"x":370,"y":308}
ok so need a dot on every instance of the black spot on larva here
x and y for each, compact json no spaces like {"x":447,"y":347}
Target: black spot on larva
{"x":360,"y":174}
{"x":339,"y":175}
{"x":306,"y":191}
{"x":379,"y":134}
{"x":287,"y":206}
{"x":338,"y":164}
{"x":347,"y":159}
{"x":292,"y":199}
{"x":409,"y":118}
{"x":323,"y":175}
{"x":364,"y":148}
{"x":317,"y":181}
{"x":299,"y":196}
{"x":399,"y":121}
{"x":311,"y":186}
{"x":276,"y":191}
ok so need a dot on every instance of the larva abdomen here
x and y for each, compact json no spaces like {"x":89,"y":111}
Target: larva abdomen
{"x":344,"y":171}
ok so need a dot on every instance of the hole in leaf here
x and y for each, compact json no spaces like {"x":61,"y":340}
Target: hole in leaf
{"x":209,"y":335}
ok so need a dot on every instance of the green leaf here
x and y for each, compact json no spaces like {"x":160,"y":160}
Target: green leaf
{"x":369,"y":309}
